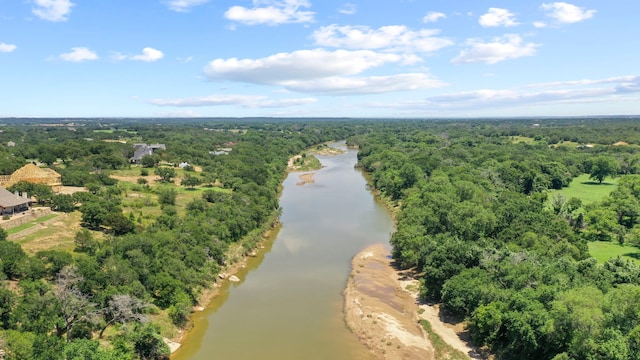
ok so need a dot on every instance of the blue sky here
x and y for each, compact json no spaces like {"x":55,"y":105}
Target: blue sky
{"x":297,"y":58}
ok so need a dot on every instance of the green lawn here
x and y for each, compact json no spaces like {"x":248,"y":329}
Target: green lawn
{"x":586,"y":190}
{"x":604,"y":251}
{"x":17,"y":229}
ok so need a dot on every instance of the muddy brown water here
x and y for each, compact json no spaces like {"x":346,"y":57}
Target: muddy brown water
{"x":289,"y":302}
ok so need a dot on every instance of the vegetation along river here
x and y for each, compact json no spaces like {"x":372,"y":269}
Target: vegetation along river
{"x":289,"y":302}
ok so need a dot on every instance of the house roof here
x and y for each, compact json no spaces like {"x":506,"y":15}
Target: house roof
{"x":9,"y":199}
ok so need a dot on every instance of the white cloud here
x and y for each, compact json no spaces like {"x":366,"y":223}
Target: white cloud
{"x":118,"y":56}
{"x":247,"y":101}
{"x":621,"y":80}
{"x":394,"y":38}
{"x":567,"y":13}
{"x":297,"y":65}
{"x":52,"y":10}
{"x":320,"y":71}
{"x":506,"y":47}
{"x":79,"y":54}
{"x":539,"y":24}
{"x":348,"y":9}
{"x":498,"y":17}
{"x":579,"y":91}
{"x":364,"y":85}
{"x":7,"y":48}
{"x":271,"y":12}
{"x":433,"y":16}
{"x":184,"y":5}
{"x":148,"y":55}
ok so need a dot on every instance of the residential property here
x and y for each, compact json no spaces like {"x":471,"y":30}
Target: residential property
{"x":142,"y":150}
{"x":11,"y":203}
{"x":11,"y":144}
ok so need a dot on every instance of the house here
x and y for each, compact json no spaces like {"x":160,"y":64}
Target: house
{"x":34,"y":174}
{"x":11,"y":203}
{"x":142,"y":150}
{"x":11,"y":144}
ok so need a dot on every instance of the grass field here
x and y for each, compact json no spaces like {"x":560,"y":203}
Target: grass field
{"x":586,"y":190}
{"x":17,"y":229}
{"x":522,"y":139}
{"x":604,"y":251}
{"x":57,"y":234}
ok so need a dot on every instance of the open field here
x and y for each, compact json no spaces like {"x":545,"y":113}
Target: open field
{"x":57,"y":233}
{"x":19,"y":228}
{"x":588,"y":191}
{"x":604,"y":251}
{"x":111,"y":131}
{"x":521,"y":139}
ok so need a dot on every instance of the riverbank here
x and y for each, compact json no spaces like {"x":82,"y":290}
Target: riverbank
{"x":382,"y":309}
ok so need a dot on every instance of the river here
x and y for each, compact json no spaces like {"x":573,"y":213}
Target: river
{"x":289,"y":302}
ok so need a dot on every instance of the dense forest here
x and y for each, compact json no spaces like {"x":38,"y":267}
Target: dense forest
{"x":480,"y":219}
{"x":479,"y":209}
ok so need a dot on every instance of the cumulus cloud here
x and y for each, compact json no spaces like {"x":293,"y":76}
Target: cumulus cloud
{"x":320,"y":71}
{"x":394,"y":38}
{"x":297,"y":65}
{"x":272,"y":12}
{"x":52,"y":10}
{"x":433,"y":16}
{"x":148,"y":55}
{"x":247,"y":101}
{"x":567,"y":13}
{"x":79,"y":54}
{"x":348,"y":9}
{"x":7,"y":48}
{"x":498,"y":17}
{"x":506,"y":47}
{"x":184,"y":5}
{"x":539,"y":24}
{"x":364,"y":85}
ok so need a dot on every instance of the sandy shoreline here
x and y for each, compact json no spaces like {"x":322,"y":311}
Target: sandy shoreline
{"x":381,"y":308}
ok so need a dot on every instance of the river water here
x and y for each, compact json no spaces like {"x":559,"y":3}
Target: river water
{"x":289,"y":302}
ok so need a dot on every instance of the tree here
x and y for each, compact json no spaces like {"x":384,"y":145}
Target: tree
{"x":191,"y":181}
{"x":85,"y":242}
{"x":123,"y":309}
{"x":602,"y":167}
{"x":12,"y":259}
{"x":167,"y":196}
{"x":93,"y":214}
{"x":149,"y":161}
{"x":166,"y":174}
{"x":63,"y":202}
{"x":74,"y":306}
{"x":118,"y":223}
{"x":148,"y":343}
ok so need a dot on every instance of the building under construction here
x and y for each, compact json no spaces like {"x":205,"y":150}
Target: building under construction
{"x":35,"y":175}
